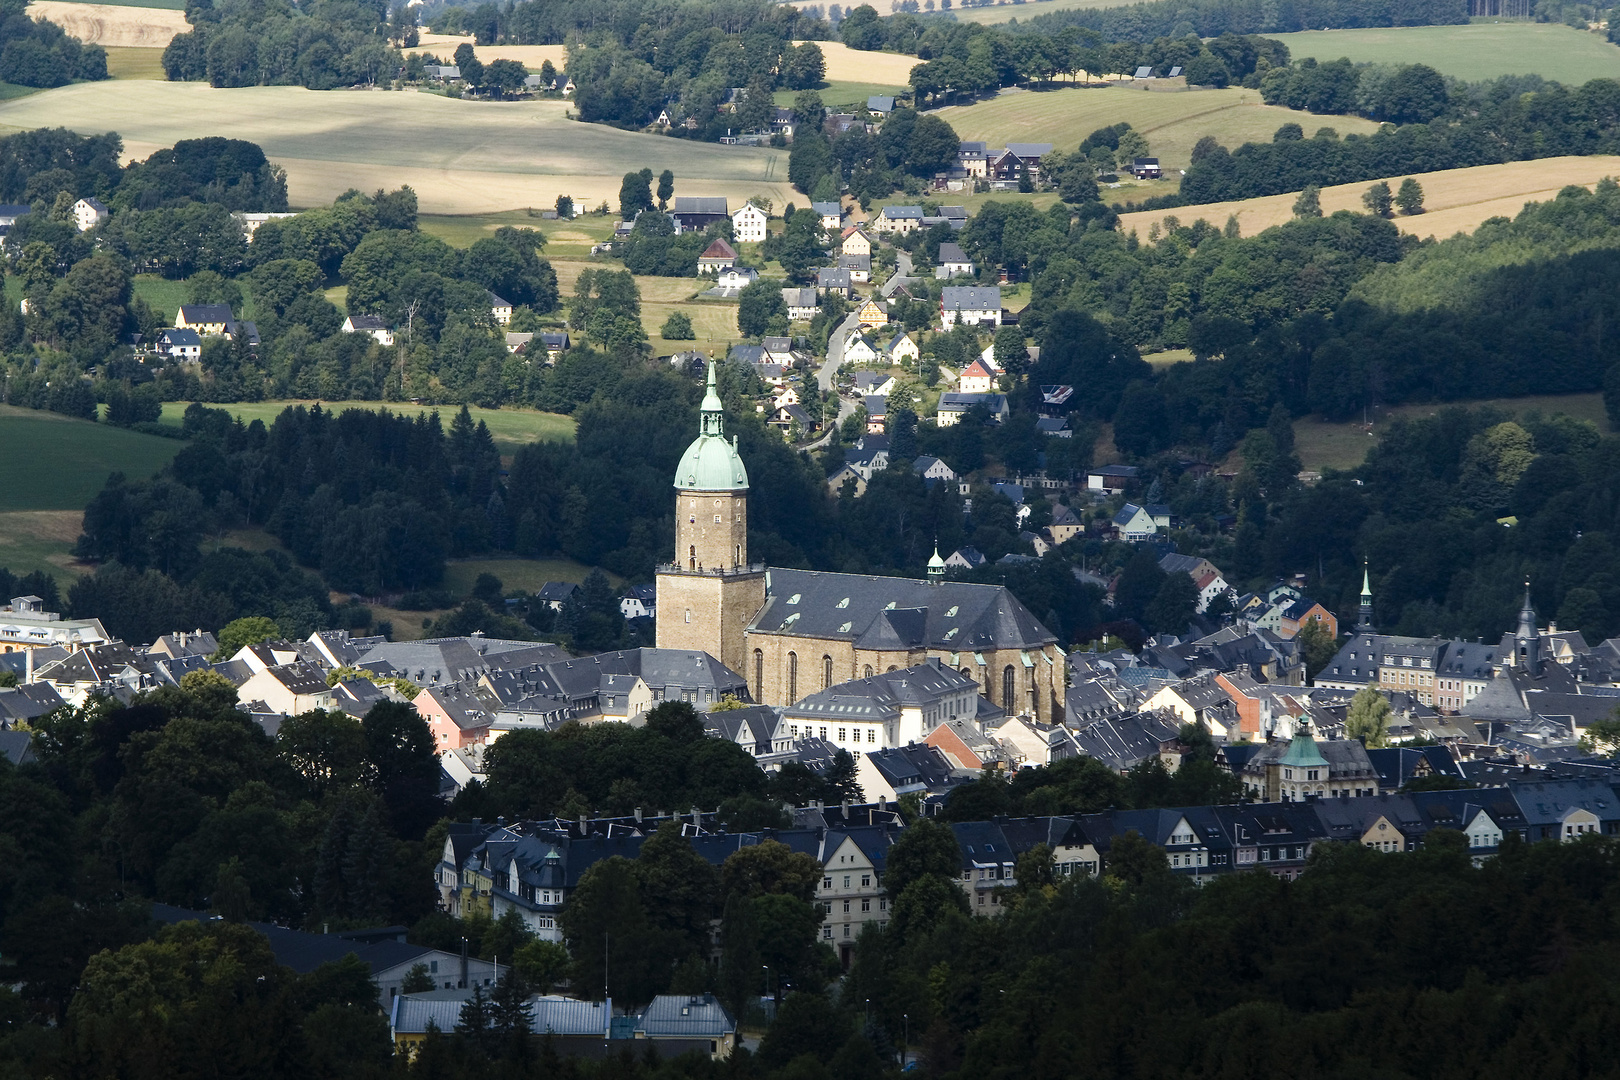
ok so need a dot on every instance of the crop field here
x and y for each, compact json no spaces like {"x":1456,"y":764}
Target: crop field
{"x":460,"y":156}
{"x":135,"y":63}
{"x":115,"y":24}
{"x":1456,"y":200}
{"x":530,"y":56}
{"x":713,"y":321}
{"x":1473,"y":52}
{"x":511,"y":428}
{"x":1171,"y":122}
{"x":845,"y":64}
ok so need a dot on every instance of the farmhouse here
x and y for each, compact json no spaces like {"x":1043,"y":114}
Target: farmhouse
{"x":210,"y":320}
{"x":872,"y":314}
{"x":1146,"y":168}
{"x":696,"y":213}
{"x":716,"y":257}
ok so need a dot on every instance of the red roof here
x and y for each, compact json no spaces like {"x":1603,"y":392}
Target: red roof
{"x":719,"y":250}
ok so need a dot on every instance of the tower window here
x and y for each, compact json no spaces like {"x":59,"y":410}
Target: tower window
{"x":759,"y":676}
{"x":691,"y":555}
{"x":1008,"y":680}
{"x":793,"y":676}
{"x":826,"y":672}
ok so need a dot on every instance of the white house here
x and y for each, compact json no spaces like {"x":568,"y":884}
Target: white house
{"x":953,"y":262}
{"x":749,"y":224}
{"x":856,"y":242}
{"x":250,"y":222}
{"x":640,"y":602}
{"x":858,"y":349}
{"x":952,"y":407}
{"x":802,"y":304}
{"x":371,"y":325}
{"x":290,"y":689}
{"x":500,"y":309}
{"x":899,"y":219}
{"x":180,"y":344}
{"x":1137,"y":523}
{"x":88,"y":213}
{"x":778,"y":350}
{"x":931,"y":468}
{"x":832,"y":216}
{"x":736,"y":277}
{"x":975,"y":305}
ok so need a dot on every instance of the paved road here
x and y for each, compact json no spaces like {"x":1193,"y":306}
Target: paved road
{"x":902,"y":273}
{"x":824,"y":375}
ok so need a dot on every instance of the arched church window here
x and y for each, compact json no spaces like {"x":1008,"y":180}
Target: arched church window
{"x":759,"y":675}
{"x":1009,"y":680}
{"x":826,"y":672}
{"x":793,"y":677}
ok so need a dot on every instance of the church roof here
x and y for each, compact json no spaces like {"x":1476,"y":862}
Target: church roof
{"x":897,"y":612}
{"x":710,"y":462}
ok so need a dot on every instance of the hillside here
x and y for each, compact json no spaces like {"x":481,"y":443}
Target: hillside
{"x":1456,"y":200}
{"x":1474,"y":52}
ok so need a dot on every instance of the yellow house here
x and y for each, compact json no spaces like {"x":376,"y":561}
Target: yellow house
{"x":873,"y":315}
{"x":856,"y":242}
{"x":206,"y":319}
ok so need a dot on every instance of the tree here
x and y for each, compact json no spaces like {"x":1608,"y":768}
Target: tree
{"x":926,"y":848}
{"x":635,"y":193}
{"x":769,"y":867}
{"x":240,"y":633}
{"x":565,"y":207}
{"x":809,"y":160}
{"x":666,"y":187}
{"x":1309,"y":203}
{"x":1368,"y":717}
{"x":1378,"y":200}
{"x":1318,"y":647}
{"x":1410,"y":197}
{"x":505,"y":77}
{"x":761,"y":309}
{"x":1135,"y":861}
{"x":678,"y":327}
{"x":1173,"y":605}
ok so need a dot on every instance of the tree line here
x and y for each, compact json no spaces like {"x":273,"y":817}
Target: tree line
{"x":39,"y":53}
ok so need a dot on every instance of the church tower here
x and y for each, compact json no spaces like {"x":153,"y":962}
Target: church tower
{"x":1364,"y":623}
{"x":708,"y":595}
{"x":1527,"y":639}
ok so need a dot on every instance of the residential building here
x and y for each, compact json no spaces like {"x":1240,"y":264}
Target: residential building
{"x":882,"y":710}
{"x":749,"y":224}
{"x":901,"y":348}
{"x":859,"y":267}
{"x":832,"y":216}
{"x":932,"y":468}
{"x":858,"y":348}
{"x":1308,"y":769}
{"x":697,"y":213}
{"x":1066,"y":524}
{"x":880,"y":105}
{"x":953,"y":262}
{"x":181,"y":345}
{"x":1146,"y":168}
{"x":974,"y":159}
{"x":953,"y":406}
{"x":639,"y":602}
{"x":1137,"y":523}
{"x":851,"y":893}
{"x":877,"y":413}
{"x":88,"y":213}
{"x":289,"y":689}
{"x":898,"y":220}
{"x":209,"y":320}
{"x":977,"y":378}
{"x":855,"y":242}
{"x":802,"y":304}
{"x":873,"y":313}
{"x":25,"y":624}
{"x":972,"y":304}
{"x":1111,"y":479}
{"x":374,"y":327}
{"x":831,"y":279}
{"x":499,"y":309}
{"x":679,"y":1023}
{"x":250,"y":222}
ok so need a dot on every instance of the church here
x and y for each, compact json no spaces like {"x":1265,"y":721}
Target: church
{"x":792,"y":633}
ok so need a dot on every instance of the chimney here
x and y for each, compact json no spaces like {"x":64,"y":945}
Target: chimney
{"x":846,"y":808}
{"x":638,"y":815}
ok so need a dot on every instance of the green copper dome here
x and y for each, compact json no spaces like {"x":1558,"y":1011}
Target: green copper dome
{"x":711,"y":463}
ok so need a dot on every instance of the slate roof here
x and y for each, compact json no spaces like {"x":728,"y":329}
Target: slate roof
{"x":180,"y":337}
{"x":17,"y":746}
{"x":367,"y":322}
{"x":1121,"y":742}
{"x":971,"y":298}
{"x":828,"y":209}
{"x":882,"y":696}
{"x":832,"y":278}
{"x":880,"y":103}
{"x":206,"y":313}
{"x":952,"y":253}
{"x":903,"y":213}
{"x":1029,"y":150}
{"x":803,"y":297}
{"x":444,"y":660}
{"x":700,"y":204}
{"x":954,"y":616}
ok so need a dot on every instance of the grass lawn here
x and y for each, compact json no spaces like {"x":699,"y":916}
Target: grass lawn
{"x":11,"y":91}
{"x":459,"y":156}
{"x":1472,"y":52}
{"x":1321,"y":444}
{"x":41,"y":540}
{"x":1456,"y":200}
{"x":167,"y":295}
{"x":1168,"y":358}
{"x":564,"y":239}
{"x":337,"y":296}
{"x":135,"y":63}
{"x":713,"y":321}
{"x":511,"y":428}
{"x":68,"y":461}
{"x":837,"y":95}
{"x":525,"y":574}
{"x":1171,"y":122}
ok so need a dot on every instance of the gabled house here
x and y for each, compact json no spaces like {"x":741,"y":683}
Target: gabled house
{"x":977,"y":378}
{"x":880,"y":105}
{"x":554,"y":594}
{"x":931,"y":468}
{"x":1146,"y":168}
{"x":289,"y":689}
{"x":901,"y":348}
{"x":899,"y":219}
{"x":858,"y":349}
{"x":1113,"y":479}
{"x":1066,"y":524}
{"x":371,"y":325}
{"x":803,"y":304}
{"x":180,"y":344}
{"x":716,"y":257}
{"x":831,"y":279}
{"x":965,"y":557}
{"x":1135,"y":523}
{"x":88,"y":213}
{"x":209,"y":320}
{"x":872,"y":313}
{"x":877,"y":413}
{"x":732,"y":280}
{"x":499,"y":309}
{"x":680,"y":1023}
{"x":749,"y":224}
{"x":859,"y":267}
{"x":695,"y":213}
{"x":953,"y":406}
{"x":832,"y":216}
{"x":855,"y":242}
{"x":639,"y":602}
{"x":953,"y":262}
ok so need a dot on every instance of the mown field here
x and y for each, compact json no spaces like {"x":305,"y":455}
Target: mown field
{"x":1008,"y":10}
{"x":1473,"y":52}
{"x":135,"y":63}
{"x":1455,"y":200}
{"x":143,"y":26}
{"x":1171,"y":122}
{"x":842,"y":96}
{"x":845,"y":64}
{"x":1321,"y":444}
{"x":460,"y":156}
{"x":511,"y":428}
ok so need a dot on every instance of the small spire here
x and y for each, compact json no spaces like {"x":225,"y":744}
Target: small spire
{"x":1366,"y":582}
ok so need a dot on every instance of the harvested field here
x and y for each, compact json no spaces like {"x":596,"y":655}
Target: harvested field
{"x":845,"y":64}
{"x":1474,"y":52}
{"x":460,"y":156}
{"x":1457,"y":200}
{"x":113,"y":24}
{"x":1172,"y":122}
{"x":531,"y":56}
